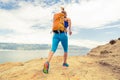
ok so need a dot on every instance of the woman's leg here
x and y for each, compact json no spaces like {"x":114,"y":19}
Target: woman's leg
{"x":50,"y":56}
{"x":65,"y":57}
{"x":55,"y":42}
{"x":64,"y":42}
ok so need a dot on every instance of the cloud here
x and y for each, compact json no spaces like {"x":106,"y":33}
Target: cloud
{"x":39,"y":37}
{"x":114,"y":24}
{"x":85,"y":43}
{"x":21,"y":22}
{"x":5,"y":1}
{"x":25,"y":17}
{"x":6,"y":31}
{"x":94,"y":13}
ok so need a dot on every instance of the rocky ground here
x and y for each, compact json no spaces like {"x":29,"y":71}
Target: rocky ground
{"x":101,"y":63}
{"x":109,"y":55}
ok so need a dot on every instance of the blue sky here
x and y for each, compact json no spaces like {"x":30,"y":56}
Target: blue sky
{"x":94,"y":22}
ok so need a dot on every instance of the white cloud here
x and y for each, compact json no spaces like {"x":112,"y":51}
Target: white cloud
{"x":85,"y":43}
{"x":25,"y":17}
{"x":39,"y":37}
{"x":21,"y":22}
{"x":113,"y":26}
{"x":31,"y":12}
{"x":10,"y":21}
{"x":94,"y":13}
{"x":5,"y":1}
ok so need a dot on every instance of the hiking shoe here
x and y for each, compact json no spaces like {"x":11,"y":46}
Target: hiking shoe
{"x":46,"y":68}
{"x":65,"y":65}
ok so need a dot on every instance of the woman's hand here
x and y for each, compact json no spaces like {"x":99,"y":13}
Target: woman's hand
{"x":70,"y":32}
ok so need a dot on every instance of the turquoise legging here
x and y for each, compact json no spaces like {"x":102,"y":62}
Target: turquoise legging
{"x":60,"y":37}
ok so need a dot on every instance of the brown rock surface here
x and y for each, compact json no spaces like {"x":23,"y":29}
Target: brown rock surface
{"x":106,"y":50}
{"x":81,"y":68}
{"x":109,"y":55}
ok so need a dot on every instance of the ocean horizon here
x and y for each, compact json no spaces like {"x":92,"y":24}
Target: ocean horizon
{"x":25,"y":55}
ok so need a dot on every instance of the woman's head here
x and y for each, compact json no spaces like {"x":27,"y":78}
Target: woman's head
{"x":63,"y":11}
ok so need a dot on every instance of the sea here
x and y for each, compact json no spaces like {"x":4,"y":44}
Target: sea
{"x":25,"y":55}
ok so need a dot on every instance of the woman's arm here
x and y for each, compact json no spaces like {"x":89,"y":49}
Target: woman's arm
{"x":69,"y":24}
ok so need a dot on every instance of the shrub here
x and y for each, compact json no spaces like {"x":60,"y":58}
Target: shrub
{"x":118,"y":38}
{"x":112,"y":42}
{"x":104,"y":52}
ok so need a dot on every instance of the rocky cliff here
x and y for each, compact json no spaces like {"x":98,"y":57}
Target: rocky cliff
{"x":109,"y":54}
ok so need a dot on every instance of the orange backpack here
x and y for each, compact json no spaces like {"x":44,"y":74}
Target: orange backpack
{"x":58,"y":22}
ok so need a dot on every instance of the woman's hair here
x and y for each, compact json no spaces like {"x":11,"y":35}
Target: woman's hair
{"x":63,"y":10}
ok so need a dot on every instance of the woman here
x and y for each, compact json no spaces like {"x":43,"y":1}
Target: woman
{"x":60,"y":35}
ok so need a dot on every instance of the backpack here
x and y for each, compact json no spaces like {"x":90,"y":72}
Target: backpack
{"x":58,"y":22}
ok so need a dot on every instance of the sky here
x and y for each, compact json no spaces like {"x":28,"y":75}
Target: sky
{"x":94,"y":22}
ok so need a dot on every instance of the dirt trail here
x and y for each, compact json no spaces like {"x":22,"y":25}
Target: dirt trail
{"x":81,"y":68}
